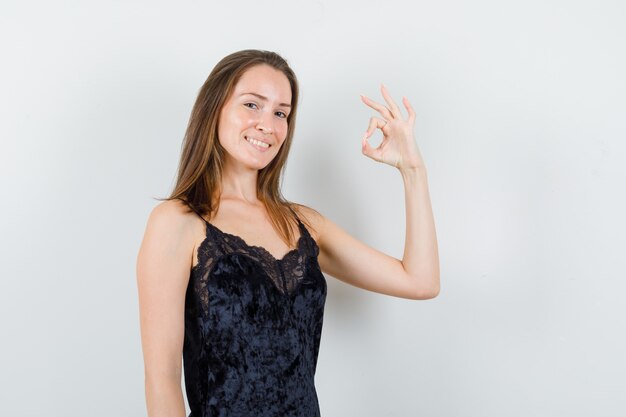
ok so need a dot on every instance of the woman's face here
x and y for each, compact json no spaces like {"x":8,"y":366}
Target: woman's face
{"x":256,"y":110}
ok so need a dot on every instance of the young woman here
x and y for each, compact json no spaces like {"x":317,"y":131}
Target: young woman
{"x":229,"y":273}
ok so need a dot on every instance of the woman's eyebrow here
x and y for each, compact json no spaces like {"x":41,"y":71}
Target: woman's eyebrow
{"x":265,"y":98}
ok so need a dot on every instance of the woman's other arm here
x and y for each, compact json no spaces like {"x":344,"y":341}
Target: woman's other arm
{"x":163,"y":267}
{"x":416,"y":276}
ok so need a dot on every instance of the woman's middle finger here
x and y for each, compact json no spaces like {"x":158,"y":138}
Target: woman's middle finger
{"x":395,"y":110}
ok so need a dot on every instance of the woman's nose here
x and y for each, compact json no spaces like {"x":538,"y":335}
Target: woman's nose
{"x":265,"y":122}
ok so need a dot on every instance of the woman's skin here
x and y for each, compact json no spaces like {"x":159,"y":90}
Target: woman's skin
{"x":169,"y":247}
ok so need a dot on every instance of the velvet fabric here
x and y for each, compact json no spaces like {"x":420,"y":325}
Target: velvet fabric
{"x":253,"y":325}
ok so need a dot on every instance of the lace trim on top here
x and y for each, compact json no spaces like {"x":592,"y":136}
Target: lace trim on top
{"x":286,"y":273}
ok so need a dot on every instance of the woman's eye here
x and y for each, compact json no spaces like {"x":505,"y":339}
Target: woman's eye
{"x":282,"y":114}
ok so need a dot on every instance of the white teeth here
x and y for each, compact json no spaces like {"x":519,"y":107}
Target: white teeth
{"x":256,"y":142}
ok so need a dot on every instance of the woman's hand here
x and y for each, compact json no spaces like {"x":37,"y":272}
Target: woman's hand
{"x":398,"y":147}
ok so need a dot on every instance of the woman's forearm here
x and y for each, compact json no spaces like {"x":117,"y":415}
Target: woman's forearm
{"x":164,"y":397}
{"x":421,"y":256}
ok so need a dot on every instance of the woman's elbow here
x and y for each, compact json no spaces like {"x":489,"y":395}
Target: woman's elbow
{"x":427,"y":292}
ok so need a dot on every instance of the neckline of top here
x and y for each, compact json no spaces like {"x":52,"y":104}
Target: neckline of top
{"x":263,"y":250}
{"x":299,"y":243}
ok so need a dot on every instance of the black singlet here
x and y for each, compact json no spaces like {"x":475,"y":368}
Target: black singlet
{"x":253,"y":325}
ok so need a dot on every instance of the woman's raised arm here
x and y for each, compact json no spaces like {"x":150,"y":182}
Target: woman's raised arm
{"x":416,"y":276}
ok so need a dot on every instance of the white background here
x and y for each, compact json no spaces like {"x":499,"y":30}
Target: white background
{"x":520,"y":120}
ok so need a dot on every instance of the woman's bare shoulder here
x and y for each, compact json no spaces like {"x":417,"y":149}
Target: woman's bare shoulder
{"x":311,"y":216}
{"x":172,"y":211}
{"x":173,"y":218}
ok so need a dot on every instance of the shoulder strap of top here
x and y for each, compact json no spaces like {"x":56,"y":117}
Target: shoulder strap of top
{"x":196,"y":211}
{"x":294,"y":213}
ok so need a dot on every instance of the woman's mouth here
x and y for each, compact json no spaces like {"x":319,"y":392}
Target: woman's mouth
{"x":258,"y":145}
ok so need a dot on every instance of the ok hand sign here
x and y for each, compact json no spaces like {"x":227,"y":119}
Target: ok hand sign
{"x":398,"y":147}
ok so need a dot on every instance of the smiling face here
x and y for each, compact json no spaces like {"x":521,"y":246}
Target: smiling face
{"x":255,"y":112}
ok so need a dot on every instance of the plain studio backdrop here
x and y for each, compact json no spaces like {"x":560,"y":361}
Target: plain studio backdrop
{"x":520,"y":120}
